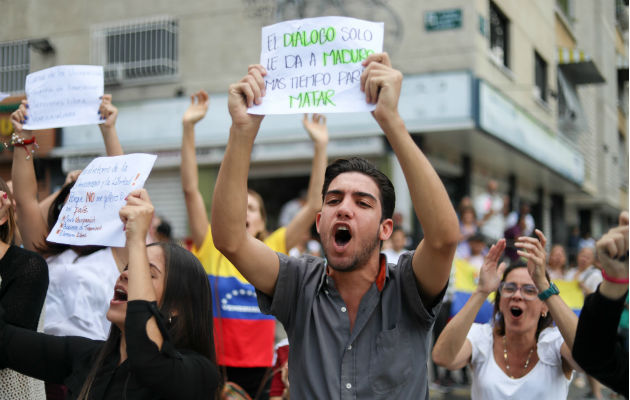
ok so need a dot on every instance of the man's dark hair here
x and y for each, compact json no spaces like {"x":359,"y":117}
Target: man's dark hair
{"x":363,"y":166}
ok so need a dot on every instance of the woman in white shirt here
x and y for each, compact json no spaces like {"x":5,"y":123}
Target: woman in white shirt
{"x":520,"y":356}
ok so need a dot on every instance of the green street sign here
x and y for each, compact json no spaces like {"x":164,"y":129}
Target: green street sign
{"x":443,"y":20}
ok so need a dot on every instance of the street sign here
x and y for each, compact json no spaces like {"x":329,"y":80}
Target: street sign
{"x":443,"y":20}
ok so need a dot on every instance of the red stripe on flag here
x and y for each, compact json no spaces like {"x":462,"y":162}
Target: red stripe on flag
{"x":244,"y":343}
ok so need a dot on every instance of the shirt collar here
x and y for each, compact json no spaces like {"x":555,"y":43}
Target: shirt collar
{"x":383,"y":274}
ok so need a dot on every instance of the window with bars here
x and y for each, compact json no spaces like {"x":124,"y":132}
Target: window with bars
{"x":540,"y":77}
{"x":137,"y":51}
{"x":499,"y":35}
{"x":15,"y":62}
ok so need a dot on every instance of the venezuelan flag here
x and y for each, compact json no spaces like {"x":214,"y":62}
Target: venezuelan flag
{"x":571,"y":293}
{"x":242,"y":332}
{"x":243,"y":336}
{"x":465,"y":281}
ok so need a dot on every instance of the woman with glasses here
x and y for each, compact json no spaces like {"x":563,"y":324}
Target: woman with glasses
{"x":520,"y":355}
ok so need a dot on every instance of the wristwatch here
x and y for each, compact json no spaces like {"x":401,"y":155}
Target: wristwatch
{"x":551,"y":290}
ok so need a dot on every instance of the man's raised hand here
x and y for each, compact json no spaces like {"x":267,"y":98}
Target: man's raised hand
{"x":381,"y":84}
{"x":244,"y":94}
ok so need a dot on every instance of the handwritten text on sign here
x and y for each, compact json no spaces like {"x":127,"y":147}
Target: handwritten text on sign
{"x":90,"y":215}
{"x":66,"y":95}
{"x":314,"y":65}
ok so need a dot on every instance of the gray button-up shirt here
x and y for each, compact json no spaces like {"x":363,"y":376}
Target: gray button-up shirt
{"x":383,"y":357}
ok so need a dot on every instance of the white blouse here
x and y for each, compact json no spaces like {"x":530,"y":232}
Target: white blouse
{"x":79,"y":293}
{"x":545,"y":381}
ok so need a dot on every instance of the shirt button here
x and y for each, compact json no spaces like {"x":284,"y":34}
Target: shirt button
{"x":326,"y":291}
{"x":343,"y":309}
{"x":348,"y":386}
{"x":350,"y":347}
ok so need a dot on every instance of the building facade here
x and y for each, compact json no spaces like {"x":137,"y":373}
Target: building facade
{"x":487,"y":94}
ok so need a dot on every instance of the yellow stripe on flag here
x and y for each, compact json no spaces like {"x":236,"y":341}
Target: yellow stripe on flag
{"x":571,"y":293}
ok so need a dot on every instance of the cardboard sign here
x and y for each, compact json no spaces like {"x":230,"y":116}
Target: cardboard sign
{"x":90,"y":215}
{"x":314,"y":65}
{"x":66,"y":95}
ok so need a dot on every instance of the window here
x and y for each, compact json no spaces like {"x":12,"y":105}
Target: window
{"x":15,"y":62}
{"x":499,"y":38}
{"x":566,"y":7}
{"x":540,"y":78}
{"x":137,"y":51}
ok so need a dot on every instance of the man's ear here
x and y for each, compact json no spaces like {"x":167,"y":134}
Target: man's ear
{"x":317,"y":218}
{"x":386,"y":229}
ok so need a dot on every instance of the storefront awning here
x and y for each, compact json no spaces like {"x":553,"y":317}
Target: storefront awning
{"x":578,"y":66}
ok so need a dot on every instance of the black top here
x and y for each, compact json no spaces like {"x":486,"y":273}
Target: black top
{"x":23,"y":289}
{"x":597,"y":347}
{"x":148,"y":373}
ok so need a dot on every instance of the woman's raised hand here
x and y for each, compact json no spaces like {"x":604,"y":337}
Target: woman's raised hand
{"x":136,"y":215}
{"x":533,"y":249}
{"x":491,"y":271}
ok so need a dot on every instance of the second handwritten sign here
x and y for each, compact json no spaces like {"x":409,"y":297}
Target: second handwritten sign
{"x":65,"y":95}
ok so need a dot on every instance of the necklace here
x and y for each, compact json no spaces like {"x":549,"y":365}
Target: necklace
{"x":505,"y":357}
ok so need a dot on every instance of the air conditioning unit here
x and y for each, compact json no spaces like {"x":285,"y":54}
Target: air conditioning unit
{"x":113,"y":74}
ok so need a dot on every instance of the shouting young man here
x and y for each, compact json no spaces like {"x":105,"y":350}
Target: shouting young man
{"x":357,"y":327}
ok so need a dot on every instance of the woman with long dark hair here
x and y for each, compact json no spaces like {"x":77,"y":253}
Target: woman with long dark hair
{"x":521,"y":356}
{"x":160,"y":345}
{"x":23,"y":284}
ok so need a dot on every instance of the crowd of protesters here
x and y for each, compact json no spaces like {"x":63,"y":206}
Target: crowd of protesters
{"x":358,"y":301}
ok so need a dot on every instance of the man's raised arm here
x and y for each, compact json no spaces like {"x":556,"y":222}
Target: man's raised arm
{"x":257,"y":262}
{"x":434,"y":255}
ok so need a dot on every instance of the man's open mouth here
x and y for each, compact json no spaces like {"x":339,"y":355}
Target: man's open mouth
{"x":342,"y":235}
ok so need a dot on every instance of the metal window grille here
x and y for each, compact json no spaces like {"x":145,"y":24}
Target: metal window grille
{"x":15,"y":62}
{"x":499,"y":35}
{"x":137,"y":51}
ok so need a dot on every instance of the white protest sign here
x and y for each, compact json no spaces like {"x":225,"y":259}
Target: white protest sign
{"x":66,"y":95}
{"x":314,"y":65}
{"x":3,"y":95}
{"x":90,"y":215}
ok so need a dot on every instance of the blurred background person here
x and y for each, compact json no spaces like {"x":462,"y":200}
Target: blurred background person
{"x":489,"y":209}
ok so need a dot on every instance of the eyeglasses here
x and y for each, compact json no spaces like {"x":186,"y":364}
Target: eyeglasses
{"x":508,"y":289}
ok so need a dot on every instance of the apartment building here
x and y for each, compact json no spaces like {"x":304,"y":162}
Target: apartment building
{"x":532,"y":94}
